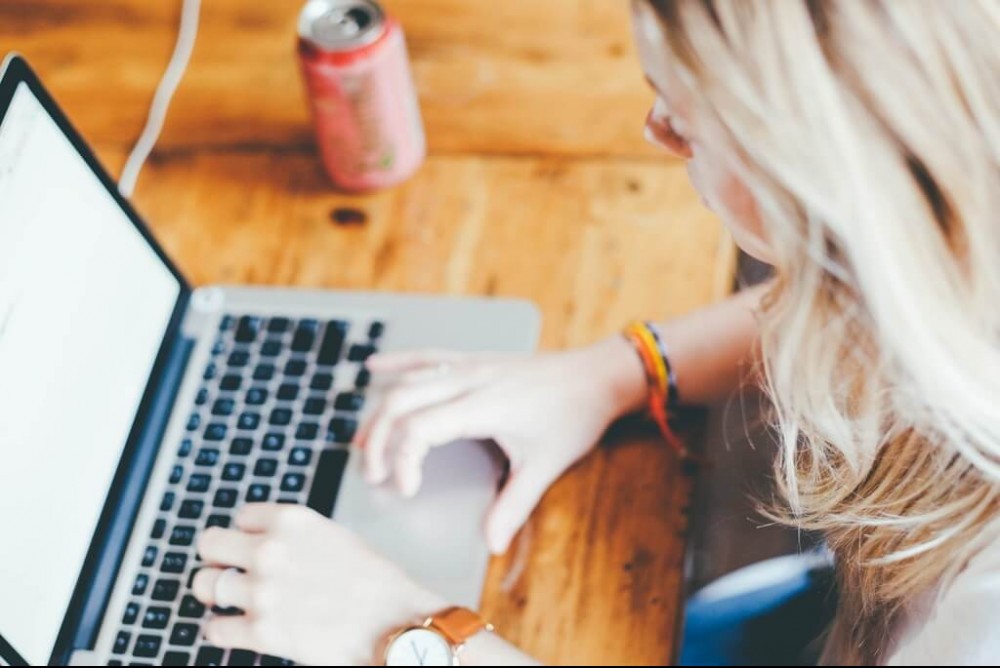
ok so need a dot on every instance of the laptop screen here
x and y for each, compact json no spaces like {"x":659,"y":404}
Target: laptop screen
{"x":84,"y":305}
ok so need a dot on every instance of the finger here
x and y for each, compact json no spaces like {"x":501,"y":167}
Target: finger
{"x":258,"y":517}
{"x":513,"y":506}
{"x":410,"y":359}
{"x":225,"y":588}
{"x":232,"y":631}
{"x":374,"y":436}
{"x":428,"y":428}
{"x":227,"y":547}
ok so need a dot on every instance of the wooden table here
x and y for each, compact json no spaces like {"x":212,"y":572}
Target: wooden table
{"x":539,"y":185}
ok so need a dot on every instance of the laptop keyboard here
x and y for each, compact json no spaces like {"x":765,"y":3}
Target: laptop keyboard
{"x":272,"y":421}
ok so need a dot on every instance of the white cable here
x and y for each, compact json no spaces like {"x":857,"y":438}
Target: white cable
{"x":161,"y":100}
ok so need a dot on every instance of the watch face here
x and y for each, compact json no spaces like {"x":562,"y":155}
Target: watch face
{"x":419,"y":647}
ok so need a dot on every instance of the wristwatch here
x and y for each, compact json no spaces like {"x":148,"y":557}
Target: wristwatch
{"x":436,"y":642}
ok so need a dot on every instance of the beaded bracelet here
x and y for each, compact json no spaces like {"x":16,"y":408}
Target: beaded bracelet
{"x":661,"y":381}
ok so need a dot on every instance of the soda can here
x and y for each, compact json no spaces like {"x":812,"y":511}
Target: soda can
{"x":364,"y":104}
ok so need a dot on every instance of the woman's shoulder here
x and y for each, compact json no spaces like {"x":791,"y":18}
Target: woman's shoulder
{"x":957,"y":625}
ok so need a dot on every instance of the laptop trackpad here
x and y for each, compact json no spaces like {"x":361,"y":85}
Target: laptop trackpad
{"x":437,"y":536}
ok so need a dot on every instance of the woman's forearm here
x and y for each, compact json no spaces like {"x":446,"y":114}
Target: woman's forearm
{"x":489,"y":649}
{"x":712,"y":351}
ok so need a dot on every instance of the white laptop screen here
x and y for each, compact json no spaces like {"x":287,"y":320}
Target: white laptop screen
{"x":84,"y":305}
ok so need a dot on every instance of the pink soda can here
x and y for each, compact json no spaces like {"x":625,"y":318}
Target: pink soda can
{"x":364,"y":103}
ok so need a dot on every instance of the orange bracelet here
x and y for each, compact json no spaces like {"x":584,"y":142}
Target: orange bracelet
{"x":659,"y":379}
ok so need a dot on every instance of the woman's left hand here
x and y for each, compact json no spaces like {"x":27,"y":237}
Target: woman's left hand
{"x":311,"y":591}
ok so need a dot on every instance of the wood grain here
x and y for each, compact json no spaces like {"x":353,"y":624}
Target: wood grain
{"x":512,"y":77}
{"x":538,"y":186}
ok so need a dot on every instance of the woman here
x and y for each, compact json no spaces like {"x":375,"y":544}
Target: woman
{"x":855,"y":146}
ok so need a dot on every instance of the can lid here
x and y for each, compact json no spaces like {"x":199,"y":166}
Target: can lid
{"x":340,"y":25}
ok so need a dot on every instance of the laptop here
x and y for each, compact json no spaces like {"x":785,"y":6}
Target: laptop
{"x":136,"y":410}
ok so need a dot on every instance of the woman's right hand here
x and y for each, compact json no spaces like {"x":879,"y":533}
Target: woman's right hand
{"x":544,"y":412}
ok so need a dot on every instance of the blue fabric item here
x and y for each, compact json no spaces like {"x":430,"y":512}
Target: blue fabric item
{"x":776,"y":625}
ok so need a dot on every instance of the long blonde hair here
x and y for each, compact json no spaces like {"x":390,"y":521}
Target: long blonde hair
{"x":869,"y":135}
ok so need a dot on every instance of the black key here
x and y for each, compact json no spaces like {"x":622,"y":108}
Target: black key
{"x":288,"y":392}
{"x":114,"y":662}
{"x":225,"y":323}
{"x":230,"y":383}
{"x":326,"y":484}
{"x":241,"y":446}
{"x":149,"y":556}
{"x":194,"y":422}
{"x":349,"y":401}
{"x":168,"y":502}
{"x":185,"y":448}
{"x":360,"y":352}
{"x":176,"y":659}
{"x":258,"y":493}
{"x":139,"y":663}
{"x":146,"y":646}
{"x":199,"y":482}
{"x":333,"y":343}
{"x":207,"y":457}
{"x":263,"y":372}
{"x":202,"y":397}
{"x":191,"y":509}
{"x":238,"y":359}
{"x":309,"y":323}
{"x":141,"y":582}
{"x":307,"y":431}
{"x":314,"y":406}
{"x":363,"y":379}
{"x":226,"y":612}
{"x":248,"y":421}
{"x":223,"y":407}
{"x":208,"y":656}
{"x":256,"y":396}
{"x":288,"y":501}
{"x":121,"y":642}
{"x":293,"y":482}
{"x":271,"y":348}
{"x":299,"y":456}
{"x":247,"y":329}
{"x":159,"y":528}
{"x":184,"y":635}
{"x":342,"y":429}
{"x":242,"y":657}
{"x":131,"y":613}
{"x":278,"y":325}
{"x":233,"y":472}
{"x":218,"y":520}
{"x":215,"y":432}
{"x":156,"y":618}
{"x":166,"y":590}
{"x":266,"y":467}
{"x":176,"y":474}
{"x":322,"y":381}
{"x":273,"y":442}
{"x":191,"y":607}
{"x":303,"y":340}
{"x":295,"y":368}
{"x":182,"y":535}
{"x":281,"y":417}
{"x":174,"y":562}
{"x":268,"y":660}
{"x":219,"y":346}
{"x":375,"y":330}
{"x":211,"y":371}
{"x":225,"y":498}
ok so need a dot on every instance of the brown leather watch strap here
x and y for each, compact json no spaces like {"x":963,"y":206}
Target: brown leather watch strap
{"x":458,"y":624}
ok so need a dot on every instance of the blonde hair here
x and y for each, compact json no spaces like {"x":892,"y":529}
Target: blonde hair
{"x":869,"y":136}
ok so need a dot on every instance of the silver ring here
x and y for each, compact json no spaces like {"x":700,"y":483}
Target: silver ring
{"x":220,"y":599}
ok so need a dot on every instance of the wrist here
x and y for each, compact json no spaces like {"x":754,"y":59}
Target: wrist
{"x":620,"y":373}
